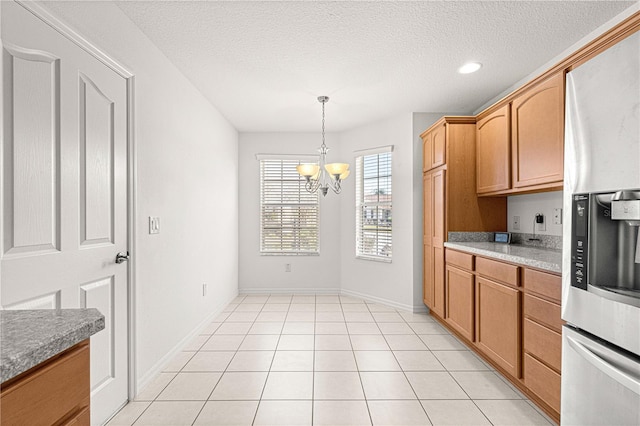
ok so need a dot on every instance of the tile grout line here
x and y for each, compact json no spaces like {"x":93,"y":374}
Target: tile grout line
{"x":313,"y":365}
{"x":228,"y":364}
{"x":266,"y":380}
{"x":342,"y":305}
{"x":400,"y":365}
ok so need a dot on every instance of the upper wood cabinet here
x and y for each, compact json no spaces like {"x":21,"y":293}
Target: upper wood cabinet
{"x":438,"y":146}
{"x":520,"y":146}
{"x":434,"y":147}
{"x":537,"y":142}
{"x":493,"y":158}
{"x":450,"y":199}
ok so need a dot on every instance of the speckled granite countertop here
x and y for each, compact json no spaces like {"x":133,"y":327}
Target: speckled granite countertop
{"x":28,"y":338}
{"x":545,"y":259}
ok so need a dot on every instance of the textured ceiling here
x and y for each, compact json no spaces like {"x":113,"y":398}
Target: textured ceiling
{"x":263,"y":63}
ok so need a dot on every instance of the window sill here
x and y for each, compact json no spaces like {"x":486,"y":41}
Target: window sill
{"x":289,"y":254}
{"x":375,"y":259}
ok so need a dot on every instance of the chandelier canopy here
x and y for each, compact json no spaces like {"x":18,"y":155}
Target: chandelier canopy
{"x":323,"y":176}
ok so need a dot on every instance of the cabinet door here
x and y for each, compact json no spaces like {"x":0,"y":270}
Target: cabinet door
{"x":428,"y":252}
{"x":438,"y":146}
{"x":498,"y":324}
{"x":438,"y":238}
{"x":460,"y":301}
{"x":428,"y":296}
{"x":538,"y":133}
{"x":493,"y":148}
{"x":427,"y":152}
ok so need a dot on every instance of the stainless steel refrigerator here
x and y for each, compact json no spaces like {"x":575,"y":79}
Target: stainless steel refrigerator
{"x":601,"y":252}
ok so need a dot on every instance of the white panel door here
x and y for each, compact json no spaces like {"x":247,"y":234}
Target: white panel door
{"x":64,"y":190}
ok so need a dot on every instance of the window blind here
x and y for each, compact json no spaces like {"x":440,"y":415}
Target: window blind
{"x":374,"y":206}
{"x":289,"y":215}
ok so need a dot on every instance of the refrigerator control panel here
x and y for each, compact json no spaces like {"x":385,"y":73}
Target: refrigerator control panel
{"x":579,"y":240}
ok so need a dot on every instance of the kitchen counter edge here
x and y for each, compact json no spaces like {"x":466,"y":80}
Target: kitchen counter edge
{"x":30,"y":337}
{"x":543,"y":259}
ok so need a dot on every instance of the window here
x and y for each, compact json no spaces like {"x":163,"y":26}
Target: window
{"x":373,"y":205}
{"x":289,"y":217}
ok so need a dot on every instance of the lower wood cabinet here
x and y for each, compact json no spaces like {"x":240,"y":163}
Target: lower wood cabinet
{"x":460,"y":301}
{"x":498,"y":323}
{"x":543,"y":343}
{"x":56,"y":392}
{"x":543,"y":381}
{"x":542,"y":337}
{"x":511,"y":314}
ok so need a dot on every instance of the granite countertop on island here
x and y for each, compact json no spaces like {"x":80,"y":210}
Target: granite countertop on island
{"x":30,"y":337}
{"x":540,"y":258}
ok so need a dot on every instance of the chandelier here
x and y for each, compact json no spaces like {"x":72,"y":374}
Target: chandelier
{"x":323,"y":176}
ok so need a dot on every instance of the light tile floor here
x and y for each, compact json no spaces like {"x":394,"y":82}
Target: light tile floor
{"x":326,"y":360}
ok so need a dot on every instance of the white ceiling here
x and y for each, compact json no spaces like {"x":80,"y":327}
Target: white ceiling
{"x":263,"y":63}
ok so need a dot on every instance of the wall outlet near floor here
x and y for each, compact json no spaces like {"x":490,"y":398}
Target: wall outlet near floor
{"x":516,"y":223}
{"x":557,"y":216}
{"x":287,"y":267}
{"x":204,"y":289}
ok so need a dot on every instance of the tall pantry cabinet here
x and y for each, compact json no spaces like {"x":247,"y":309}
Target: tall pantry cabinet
{"x":450,"y":200}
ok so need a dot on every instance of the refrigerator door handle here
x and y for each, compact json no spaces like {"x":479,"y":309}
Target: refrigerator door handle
{"x":628,"y":381}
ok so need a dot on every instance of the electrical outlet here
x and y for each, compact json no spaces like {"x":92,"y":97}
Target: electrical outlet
{"x":540,"y":223}
{"x":287,"y":267}
{"x":154,"y":225}
{"x":557,"y":216}
{"x":516,"y":223}
{"x":204,"y":289}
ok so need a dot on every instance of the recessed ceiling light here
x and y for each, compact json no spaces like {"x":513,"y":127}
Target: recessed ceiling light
{"x":469,"y":67}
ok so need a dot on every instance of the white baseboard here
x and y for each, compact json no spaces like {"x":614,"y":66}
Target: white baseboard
{"x":420,"y":309}
{"x":159,"y":366}
{"x":387,"y":302}
{"x":296,"y":290}
{"x":304,"y":291}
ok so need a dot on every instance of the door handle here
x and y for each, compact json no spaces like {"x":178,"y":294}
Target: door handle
{"x":122,"y":257}
{"x":625,"y":378}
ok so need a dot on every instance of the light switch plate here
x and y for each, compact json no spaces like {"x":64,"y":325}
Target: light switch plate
{"x":154,"y":225}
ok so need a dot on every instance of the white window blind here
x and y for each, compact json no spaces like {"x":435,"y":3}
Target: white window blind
{"x":373,"y":206}
{"x":289,"y":215}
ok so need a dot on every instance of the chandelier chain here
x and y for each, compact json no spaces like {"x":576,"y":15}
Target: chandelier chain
{"x":323,"y":144}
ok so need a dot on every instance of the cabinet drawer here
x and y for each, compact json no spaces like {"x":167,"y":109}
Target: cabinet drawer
{"x":46,"y":394}
{"x":459,"y":259}
{"x":500,"y":271}
{"x":542,"y":381}
{"x":548,"y":285}
{"x":81,"y":419}
{"x":542,"y":342}
{"x":542,"y":311}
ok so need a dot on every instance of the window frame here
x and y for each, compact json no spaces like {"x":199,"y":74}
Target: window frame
{"x":361,"y":203}
{"x":291,"y":161}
